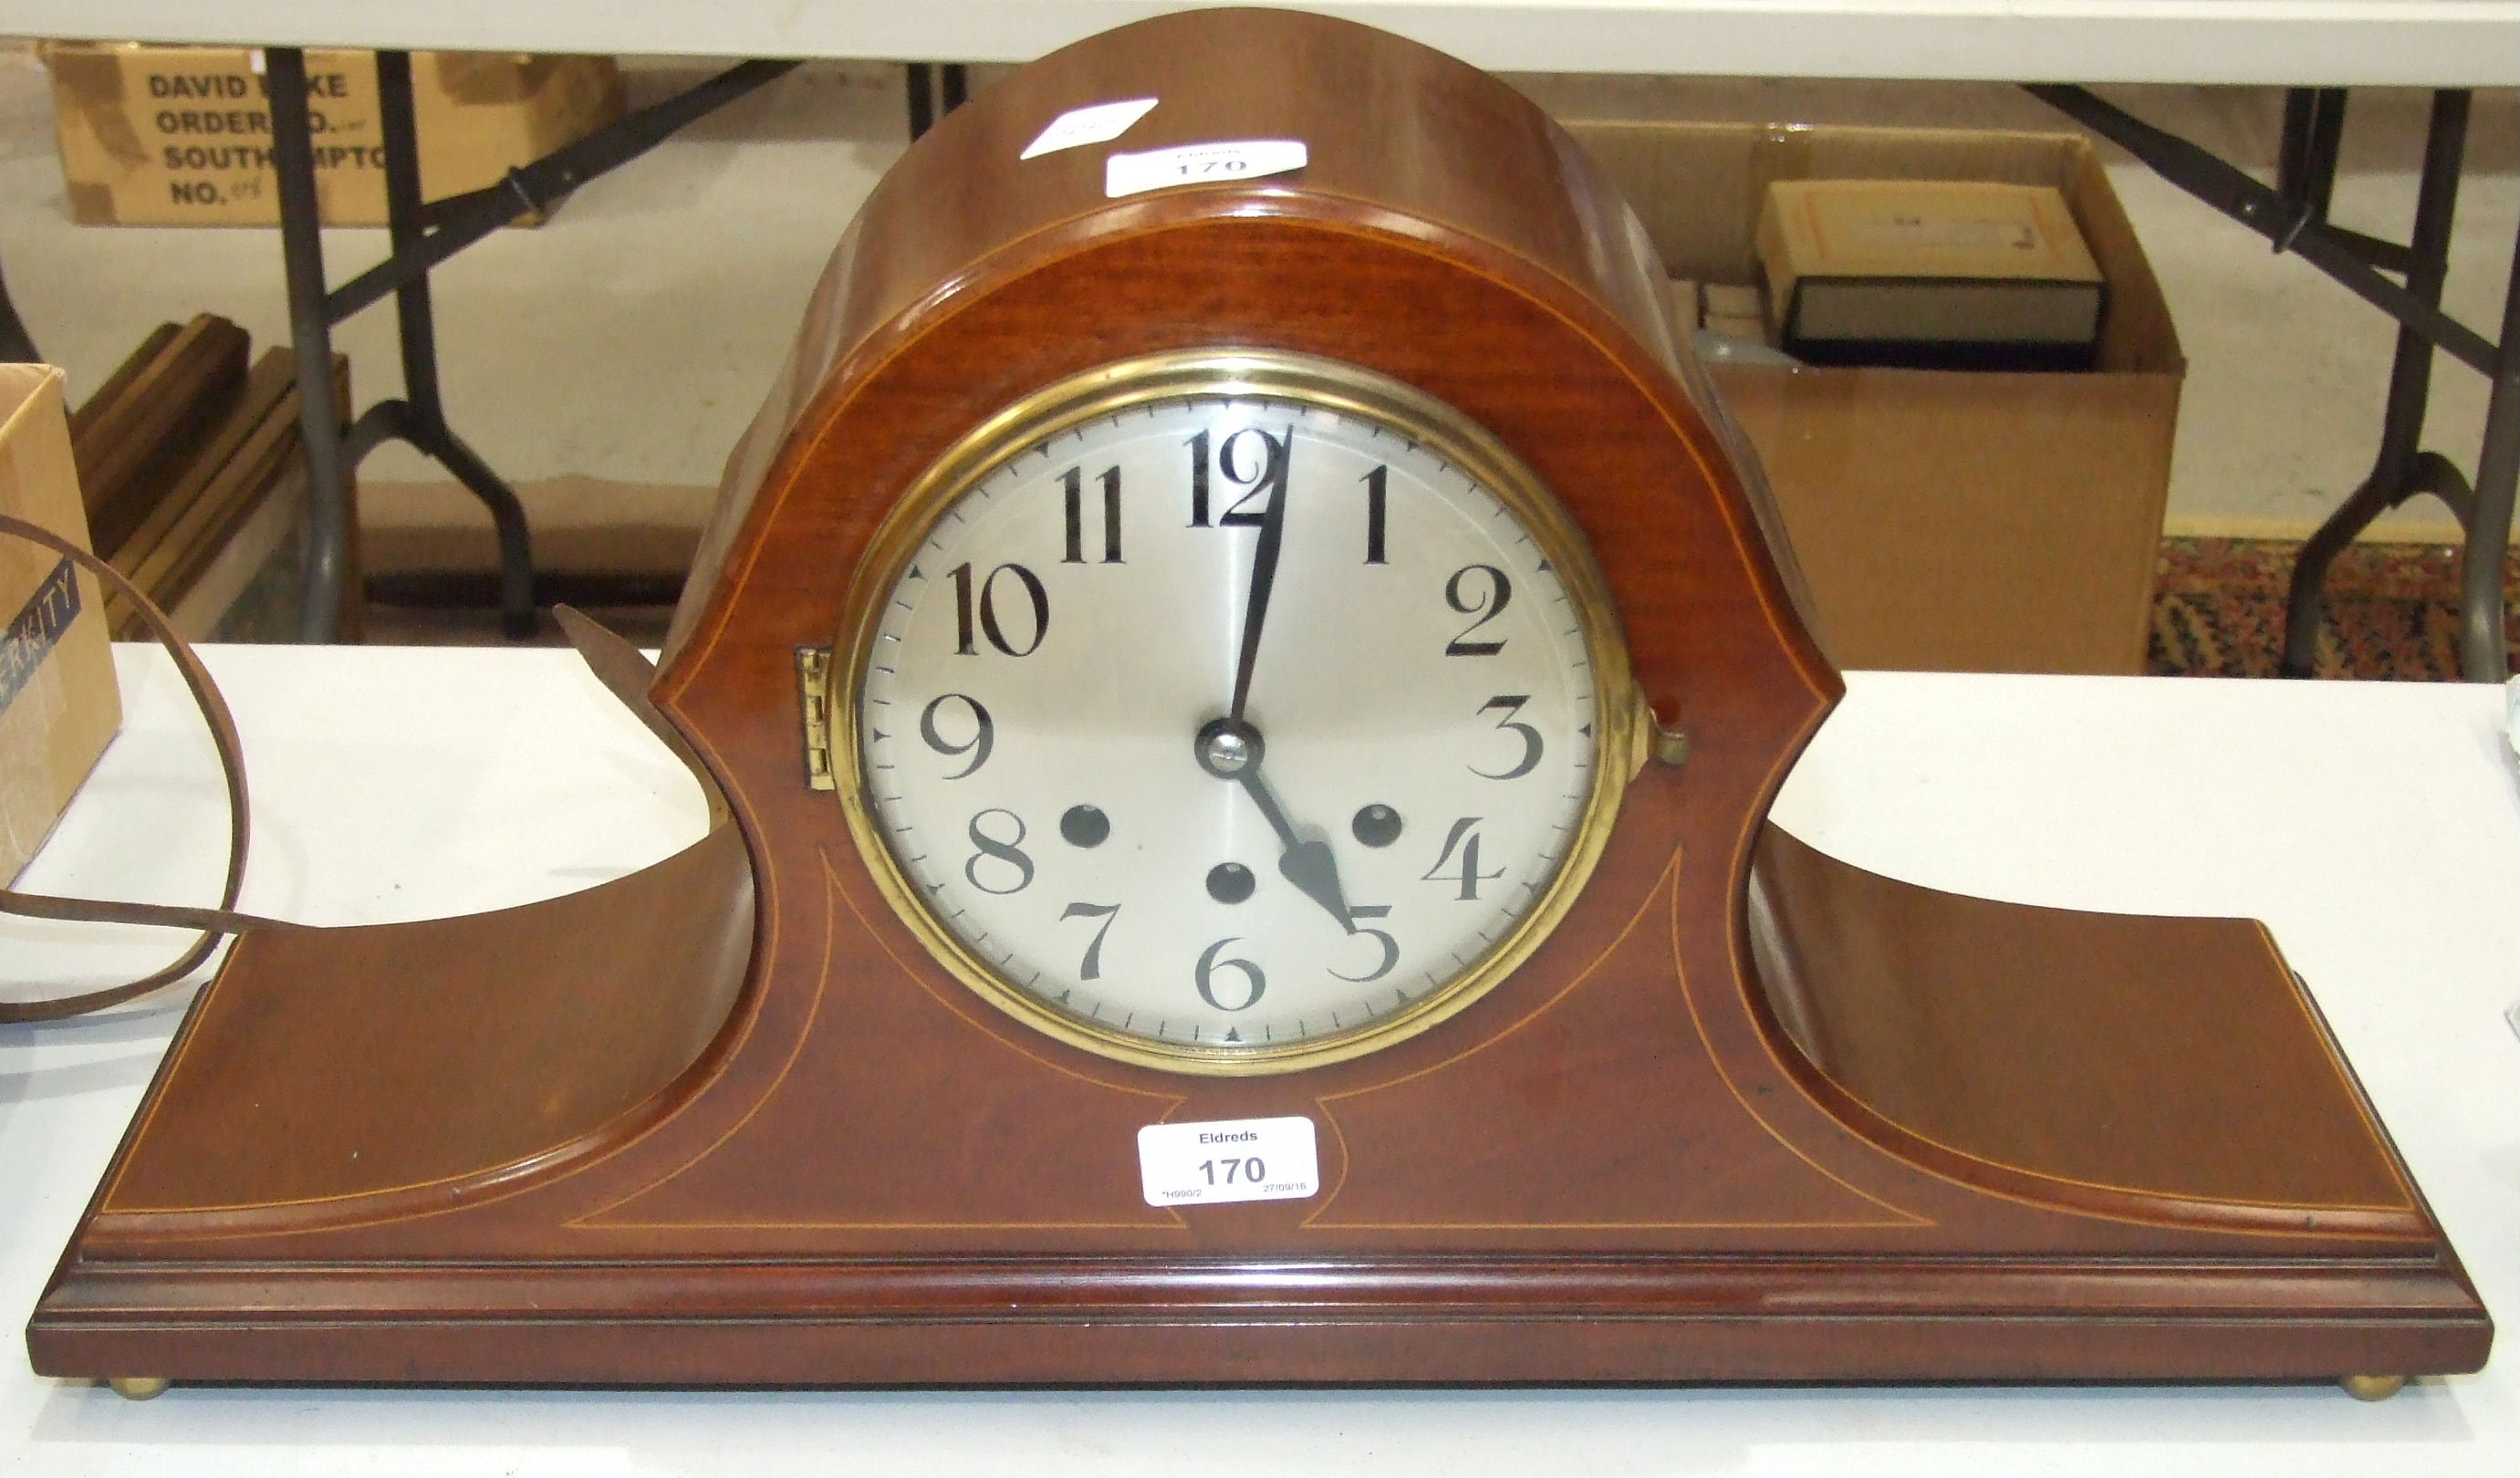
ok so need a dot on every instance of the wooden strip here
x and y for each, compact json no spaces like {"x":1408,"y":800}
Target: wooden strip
{"x":245,"y":479}
{"x":194,"y":538}
{"x":127,"y":459}
{"x":270,"y":381}
{"x":118,"y":383}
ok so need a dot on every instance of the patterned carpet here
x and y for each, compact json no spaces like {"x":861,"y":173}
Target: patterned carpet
{"x":2392,"y":610}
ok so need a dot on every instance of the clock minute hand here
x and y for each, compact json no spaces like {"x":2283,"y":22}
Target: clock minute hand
{"x":1263,"y":566}
{"x":1309,"y":865}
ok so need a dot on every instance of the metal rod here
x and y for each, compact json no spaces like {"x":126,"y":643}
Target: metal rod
{"x":450,"y":225}
{"x":319,"y":422}
{"x":2314,"y":127}
{"x":2483,"y":657}
{"x":922,"y":89}
{"x":2393,"y":475}
{"x":2289,"y":224}
{"x":385,"y":421}
{"x":2326,"y":141}
{"x":414,"y":322}
{"x":424,"y":423}
{"x":2387,"y":257}
{"x":2427,"y":268}
{"x":424,"y":235}
{"x":2300,"y":104}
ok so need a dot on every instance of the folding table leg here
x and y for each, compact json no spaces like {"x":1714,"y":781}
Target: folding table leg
{"x":924,"y":81}
{"x":319,"y":420}
{"x":2401,"y":470}
{"x":425,"y":235}
{"x":419,"y":417}
{"x":2314,"y":127}
{"x":2483,"y":654}
{"x":2294,"y":219}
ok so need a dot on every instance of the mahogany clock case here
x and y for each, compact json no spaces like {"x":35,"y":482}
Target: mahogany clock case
{"x":1747,"y":1114}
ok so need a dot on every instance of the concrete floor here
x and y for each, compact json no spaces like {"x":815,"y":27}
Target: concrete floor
{"x":629,"y":340}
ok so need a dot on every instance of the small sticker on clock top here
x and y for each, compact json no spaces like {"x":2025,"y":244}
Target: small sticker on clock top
{"x":1222,"y":161}
{"x":1079,"y":126}
{"x":1228,"y":1160}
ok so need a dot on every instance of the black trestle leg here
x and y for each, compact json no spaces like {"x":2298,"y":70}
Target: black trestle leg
{"x":2400,"y":469}
{"x":423,"y":422}
{"x":319,"y":417}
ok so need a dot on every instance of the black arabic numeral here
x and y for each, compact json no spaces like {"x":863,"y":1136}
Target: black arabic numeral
{"x":1198,"y":480}
{"x":1205,"y":977}
{"x":1512,"y":703}
{"x":962,"y":575}
{"x":984,"y":733}
{"x":1111,"y":515}
{"x":1092,"y":968}
{"x":1009,"y":852}
{"x":1040,"y":599}
{"x":1390,"y":946}
{"x":1269,"y":477}
{"x":1072,"y":487}
{"x":1487,"y":608}
{"x":1376,"y":493}
{"x":990,"y":626}
{"x":1463,"y":835}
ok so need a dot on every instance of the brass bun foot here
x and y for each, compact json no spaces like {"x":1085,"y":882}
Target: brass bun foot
{"x":138,"y":1387}
{"x":2360,"y":1387}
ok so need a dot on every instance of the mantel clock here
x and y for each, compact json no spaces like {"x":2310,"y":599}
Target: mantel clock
{"x":1241,"y":673}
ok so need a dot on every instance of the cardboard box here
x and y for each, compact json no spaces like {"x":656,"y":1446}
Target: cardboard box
{"x":181,"y":135}
{"x":1964,"y":520}
{"x":59,"y":705}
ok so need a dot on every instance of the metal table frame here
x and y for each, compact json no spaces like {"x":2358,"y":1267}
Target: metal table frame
{"x":423,"y":234}
{"x":2292,"y":215}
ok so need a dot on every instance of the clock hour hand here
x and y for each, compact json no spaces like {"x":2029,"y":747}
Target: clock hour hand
{"x":1230,"y":749}
{"x":1308,"y":865}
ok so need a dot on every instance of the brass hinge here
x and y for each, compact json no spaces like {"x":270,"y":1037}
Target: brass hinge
{"x":1665,"y":744}
{"x":814,"y":703}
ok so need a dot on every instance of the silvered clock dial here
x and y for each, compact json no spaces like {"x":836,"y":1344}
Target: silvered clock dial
{"x":1233,"y":712}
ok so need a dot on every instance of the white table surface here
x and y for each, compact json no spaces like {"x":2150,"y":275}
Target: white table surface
{"x":2405,"y":43}
{"x":2375,"y":827}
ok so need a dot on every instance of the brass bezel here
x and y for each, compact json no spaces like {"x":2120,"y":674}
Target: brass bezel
{"x":1205,"y":373}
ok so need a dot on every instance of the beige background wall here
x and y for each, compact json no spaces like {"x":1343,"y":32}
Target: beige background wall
{"x":626,"y":343}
